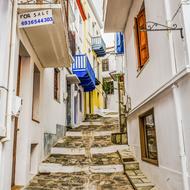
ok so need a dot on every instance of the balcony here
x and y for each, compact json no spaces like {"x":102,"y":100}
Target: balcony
{"x":49,"y":41}
{"x":99,"y":46}
{"x":115,"y":14}
{"x":83,"y":69}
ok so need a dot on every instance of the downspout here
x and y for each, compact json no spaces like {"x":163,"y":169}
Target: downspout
{"x":177,"y":102}
{"x":11,"y":73}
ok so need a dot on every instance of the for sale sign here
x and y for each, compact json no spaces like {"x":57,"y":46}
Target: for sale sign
{"x":36,"y":18}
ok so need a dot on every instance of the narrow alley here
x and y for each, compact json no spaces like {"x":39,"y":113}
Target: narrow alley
{"x":94,"y":95}
{"x":87,"y":159}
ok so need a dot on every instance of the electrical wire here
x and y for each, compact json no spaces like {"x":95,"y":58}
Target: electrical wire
{"x":184,"y":2}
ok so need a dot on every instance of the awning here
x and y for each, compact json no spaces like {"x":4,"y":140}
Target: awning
{"x":73,"y":79}
{"x":83,"y":69}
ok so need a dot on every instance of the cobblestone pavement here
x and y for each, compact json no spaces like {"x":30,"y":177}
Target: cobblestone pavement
{"x":88,"y":180}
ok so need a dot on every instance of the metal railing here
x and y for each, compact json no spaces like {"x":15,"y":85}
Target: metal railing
{"x":98,"y":40}
{"x":90,"y":70}
{"x":82,"y":62}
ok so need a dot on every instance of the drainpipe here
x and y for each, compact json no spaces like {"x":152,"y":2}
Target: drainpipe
{"x":177,"y":102}
{"x":12,"y":55}
{"x":181,"y":136}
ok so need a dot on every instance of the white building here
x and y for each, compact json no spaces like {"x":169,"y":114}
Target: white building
{"x":157,"y":65}
{"x":112,"y":65}
{"x":32,"y":70}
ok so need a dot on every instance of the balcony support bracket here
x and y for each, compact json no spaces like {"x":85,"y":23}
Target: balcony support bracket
{"x":156,"y":27}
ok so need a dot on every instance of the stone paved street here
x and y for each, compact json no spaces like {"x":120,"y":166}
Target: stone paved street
{"x":89,"y":161}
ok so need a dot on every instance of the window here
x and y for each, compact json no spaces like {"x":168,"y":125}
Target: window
{"x":105,"y":65}
{"x":36,"y":95}
{"x":141,"y":39}
{"x":108,"y":86}
{"x":57,"y":84}
{"x":148,"y":138}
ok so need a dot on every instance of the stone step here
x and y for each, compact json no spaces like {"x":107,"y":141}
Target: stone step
{"x":95,"y":159}
{"x":108,"y":149}
{"x":68,"y":151}
{"x":147,"y":186}
{"x":94,"y":150}
{"x":134,"y":165}
{"x":80,"y":181}
{"x":95,"y":127}
{"x":95,"y":134}
{"x":84,"y":141}
{"x":132,"y":170}
{"x":58,"y":168}
{"x":126,"y":155}
{"x":61,"y":163}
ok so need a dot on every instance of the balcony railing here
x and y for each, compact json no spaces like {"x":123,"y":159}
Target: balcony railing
{"x":83,"y":69}
{"x":39,"y":1}
{"x":99,"y":46}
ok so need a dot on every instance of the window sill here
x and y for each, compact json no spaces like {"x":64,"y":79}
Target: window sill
{"x":150,"y":161}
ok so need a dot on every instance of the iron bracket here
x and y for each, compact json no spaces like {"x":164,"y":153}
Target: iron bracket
{"x":154,"y":27}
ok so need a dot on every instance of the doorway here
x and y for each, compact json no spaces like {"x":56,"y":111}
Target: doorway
{"x":90,"y":103}
{"x":76,"y":105}
{"x":16,"y":126}
{"x":23,"y":54}
{"x":68,"y":108}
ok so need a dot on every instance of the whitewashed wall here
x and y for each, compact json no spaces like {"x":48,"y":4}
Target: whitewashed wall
{"x":169,"y":54}
{"x":52,"y":113}
{"x":168,"y":174}
{"x":115,"y":65}
{"x":5,"y":147}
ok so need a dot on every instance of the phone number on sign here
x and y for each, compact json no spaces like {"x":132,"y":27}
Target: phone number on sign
{"x":37,"y":21}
